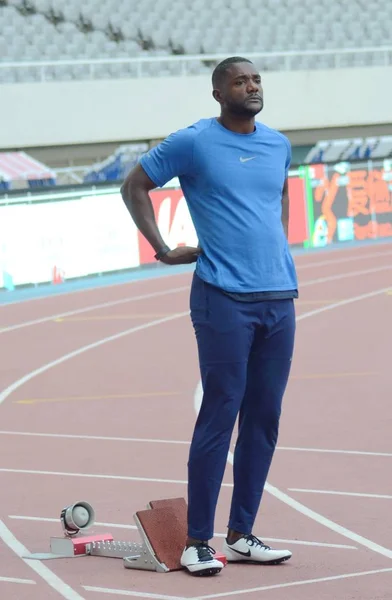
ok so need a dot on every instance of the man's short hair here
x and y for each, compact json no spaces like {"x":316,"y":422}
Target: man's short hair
{"x":221,"y":69}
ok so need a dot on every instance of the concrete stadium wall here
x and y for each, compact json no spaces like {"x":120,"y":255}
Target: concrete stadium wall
{"x":52,"y":114}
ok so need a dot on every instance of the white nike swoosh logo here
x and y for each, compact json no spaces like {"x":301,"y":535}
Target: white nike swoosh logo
{"x":246,"y":159}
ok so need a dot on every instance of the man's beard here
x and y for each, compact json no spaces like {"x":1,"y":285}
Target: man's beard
{"x":245,"y":110}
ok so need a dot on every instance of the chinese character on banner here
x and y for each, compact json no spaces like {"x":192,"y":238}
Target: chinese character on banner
{"x":379,"y":196}
{"x":326,"y":194}
{"x":357,"y":194}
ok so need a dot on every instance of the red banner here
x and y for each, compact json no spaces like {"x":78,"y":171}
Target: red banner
{"x":298,"y":229}
{"x":174,"y":223}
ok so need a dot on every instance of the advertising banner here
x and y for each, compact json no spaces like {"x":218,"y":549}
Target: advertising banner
{"x":66,"y":238}
{"x":53,"y":236}
{"x":349,"y":202}
{"x":50,"y":237}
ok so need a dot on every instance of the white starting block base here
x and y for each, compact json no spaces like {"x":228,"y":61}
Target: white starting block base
{"x":135,"y":555}
{"x":67,"y":547}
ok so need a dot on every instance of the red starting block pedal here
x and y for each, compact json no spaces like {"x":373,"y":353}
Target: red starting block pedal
{"x":221,"y":557}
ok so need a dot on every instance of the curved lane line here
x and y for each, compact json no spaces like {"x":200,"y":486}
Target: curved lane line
{"x":42,"y":570}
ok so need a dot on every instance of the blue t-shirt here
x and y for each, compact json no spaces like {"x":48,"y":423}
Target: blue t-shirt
{"x":232,"y":184}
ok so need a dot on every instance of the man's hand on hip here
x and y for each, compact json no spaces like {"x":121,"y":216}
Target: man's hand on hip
{"x":181,"y":256}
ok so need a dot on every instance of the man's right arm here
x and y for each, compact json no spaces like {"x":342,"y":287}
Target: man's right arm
{"x":171,"y":158}
{"x":135,"y":193}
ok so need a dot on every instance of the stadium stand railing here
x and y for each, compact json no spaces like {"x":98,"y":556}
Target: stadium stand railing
{"x":175,"y":66}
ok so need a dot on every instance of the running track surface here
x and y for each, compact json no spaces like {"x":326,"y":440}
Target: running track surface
{"x":127,"y":369}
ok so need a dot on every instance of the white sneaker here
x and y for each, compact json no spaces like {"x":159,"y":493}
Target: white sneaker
{"x":250,"y":549}
{"x":199,"y":560}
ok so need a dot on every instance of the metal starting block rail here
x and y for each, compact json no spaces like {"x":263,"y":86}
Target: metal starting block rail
{"x":162,"y":528}
{"x":134,"y":555}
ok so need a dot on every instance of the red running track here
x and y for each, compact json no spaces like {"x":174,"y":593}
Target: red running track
{"x":127,"y":369}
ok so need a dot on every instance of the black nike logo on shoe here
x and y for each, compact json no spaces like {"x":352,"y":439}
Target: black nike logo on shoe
{"x":242,"y":553}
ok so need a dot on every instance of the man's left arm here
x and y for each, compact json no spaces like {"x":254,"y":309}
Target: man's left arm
{"x":285,"y":192}
{"x":285,"y":207}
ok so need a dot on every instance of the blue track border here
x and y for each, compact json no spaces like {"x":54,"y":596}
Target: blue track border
{"x":26,"y":293}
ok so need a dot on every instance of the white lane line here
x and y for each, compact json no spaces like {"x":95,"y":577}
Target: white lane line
{"x":311,"y":514}
{"x":301,"y":508}
{"x":336,"y":493}
{"x":119,"y":592}
{"x":79,"y":311}
{"x":179,"y":289}
{"x":345,"y":275}
{"x":101,"y":590}
{"x":289,"y":584}
{"x":325,"y":263}
{"x":46,"y":574}
{"x":17,"y":580}
{"x":96,"y":437}
{"x":54,"y":363}
{"x":217,"y":535}
{"x":61,"y":587}
{"x":353,"y":299}
{"x":103,"y":438}
{"x":330,"y":451}
{"x":52,"y":520}
{"x":99,"y":476}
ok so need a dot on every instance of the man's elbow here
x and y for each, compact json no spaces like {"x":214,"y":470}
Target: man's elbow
{"x":136,"y":181}
{"x":124,"y":192}
{"x":127,"y":187}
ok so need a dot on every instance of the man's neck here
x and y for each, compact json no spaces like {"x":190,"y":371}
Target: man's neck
{"x":237,"y":124}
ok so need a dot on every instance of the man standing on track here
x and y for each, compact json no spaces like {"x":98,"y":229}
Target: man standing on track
{"x":233,"y":173}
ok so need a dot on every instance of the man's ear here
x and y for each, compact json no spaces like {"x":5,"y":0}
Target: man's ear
{"x":217,"y":96}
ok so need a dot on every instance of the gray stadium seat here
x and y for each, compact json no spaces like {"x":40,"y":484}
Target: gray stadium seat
{"x":192,"y":26}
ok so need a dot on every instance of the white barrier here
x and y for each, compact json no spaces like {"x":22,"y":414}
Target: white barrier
{"x":74,"y":234}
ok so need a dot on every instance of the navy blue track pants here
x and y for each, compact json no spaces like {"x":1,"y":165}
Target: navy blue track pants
{"x":245,"y":351}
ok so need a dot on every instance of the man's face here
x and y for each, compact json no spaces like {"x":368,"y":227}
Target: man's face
{"x":241,"y":92}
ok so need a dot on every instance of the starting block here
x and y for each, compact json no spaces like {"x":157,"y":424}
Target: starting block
{"x":162,"y":528}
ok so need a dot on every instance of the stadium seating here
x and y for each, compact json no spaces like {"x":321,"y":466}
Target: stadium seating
{"x":55,"y":30}
{"x":350,"y":149}
{"x":117,"y":165}
{"x":19,"y":170}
